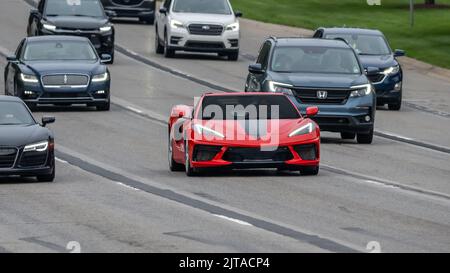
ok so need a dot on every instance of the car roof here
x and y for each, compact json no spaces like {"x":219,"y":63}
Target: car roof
{"x":9,"y":99}
{"x":345,"y":30}
{"x":298,"y":41}
{"x":56,"y":38}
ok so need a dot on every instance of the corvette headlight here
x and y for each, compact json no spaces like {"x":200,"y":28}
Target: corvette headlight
{"x":233,"y":27}
{"x":37,"y":147}
{"x":28,"y":78}
{"x":391,"y":70}
{"x":100,"y":77}
{"x":279,"y":87}
{"x":176,"y":24}
{"x":203,"y":130}
{"x":105,"y":28}
{"x":304,"y":130}
{"x":361,"y":90}
{"x":49,"y":27}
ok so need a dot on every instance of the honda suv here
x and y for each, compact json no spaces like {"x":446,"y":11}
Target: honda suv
{"x":374,"y":51}
{"x":326,"y":73}
{"x":197,"y":26}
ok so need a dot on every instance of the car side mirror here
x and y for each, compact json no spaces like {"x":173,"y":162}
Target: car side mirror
{"x":47,"y":120}
{"x":110,"y":13}
{"x":12,"y":59}
{"x":399,"y":53}
{"x":238,"y":14}
{"x":163,"y":10}
{"x":371,"y":71}
{"x":256,"y":69}
{"x":105,"y":58}
{"x":312,"y":111}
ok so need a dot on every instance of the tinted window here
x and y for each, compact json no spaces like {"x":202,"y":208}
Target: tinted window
{"x":91,"y":8}
{"x":315,"y":60}
{"x":247,"y":107}
{"x":365,"y":44}
{"x":59,"y":50}
{"x":264,"y":55}
{"x":202,"y":6}
{"x":14,"y":113}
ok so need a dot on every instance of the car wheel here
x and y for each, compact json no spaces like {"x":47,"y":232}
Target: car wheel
{"x":47,"y":178}
{"x":395,"y":106}
{"x":233,"y":56}
{"x":104,"y":107}
{"x":150,"y":20}
{"x":346,"y":135}
{"x":365,"y":138}
{"x":158,"y":47}
{"x":168,"y":53}
{"x":189,"y":170}
{"x":310,"y":170}
{"x":173,"y":165}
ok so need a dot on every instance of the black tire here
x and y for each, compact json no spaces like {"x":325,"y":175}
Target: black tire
{"x":187,"y":166}
{"x":173,"y":166}
{"x":234,"y":56}
{"x":149,"y":20}
{"x":395,"y":106}
{"x":365,"y":138}
{"x":104,"y":107}
{"x":46,"y":178}
{"x":346,"y":135}
{"x":310,"y":170}
{"x":168,"y":53}
{"x":159,"y":49}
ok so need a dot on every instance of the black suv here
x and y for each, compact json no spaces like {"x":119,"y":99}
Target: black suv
{"x":325,"y":73}
{"x":85,"y":18}
{"x":142,"y":9}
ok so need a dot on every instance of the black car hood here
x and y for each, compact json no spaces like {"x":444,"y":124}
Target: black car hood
{"x":61,"y":67}
{"x":378,"y":61}
{"x":77,"y":22}
{"x":320,"y":80}
{"x":20,"y":135}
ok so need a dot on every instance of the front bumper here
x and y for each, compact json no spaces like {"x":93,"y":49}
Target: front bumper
{"x":182,"y":40}
{"x":132,"y":12}
{"x":31,"y":165}
{"x":389,"y":90}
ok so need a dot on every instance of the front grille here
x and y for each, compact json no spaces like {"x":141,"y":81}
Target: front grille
{"x":7,"y":157}
{"x":65,"y":95}
{"x":242,"y":155}
{"x":330,"y":120}
{"x":65,"y":80}
{"x":205,"y":153}
{"x":33,"y":159}
{"x":127,"y":2}
{"x":376,"y":78}
{"x":310,"y":96}
{"x":205,"y":29}
{"x":306,"y":152}
{"x":204,"y":45}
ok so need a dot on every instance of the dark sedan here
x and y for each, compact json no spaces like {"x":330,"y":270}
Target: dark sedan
{"x":142,"y":9}
{"x":85,"y":18}
{"x":58,"y":70}
{"x":26,"y":147}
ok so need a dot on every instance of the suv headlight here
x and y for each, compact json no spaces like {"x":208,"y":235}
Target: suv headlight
{"x":361,"y":90}
{"x":233,"y":27}
{"x":304,"y":130}
{"x":49,"y":26}
{"x":279,"y":87}
{"x":203,"y":130}
{"x":100,"y":77}
{"x":37,"y":147}
{"x":391,"y":70}
{"x":176,"y":24}
{"x":105,"y":29}
{"x":28,"y":78}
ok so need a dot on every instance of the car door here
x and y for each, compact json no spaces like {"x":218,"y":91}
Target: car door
{"x":34,"y":19}
{"x":254,"y":81}
{"x":163,"y":18}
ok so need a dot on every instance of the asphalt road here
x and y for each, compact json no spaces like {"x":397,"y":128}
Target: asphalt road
{"x":113,"y":191}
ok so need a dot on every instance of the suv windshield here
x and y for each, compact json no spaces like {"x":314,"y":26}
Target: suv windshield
{"x":90,"y":8}
{"x":14,"y":113}
{"x":247,"y":107}
{"x":315,"y":59}
{"x":202,"y":6}
{"x":365,"y":44}
{"x":59,"y":51}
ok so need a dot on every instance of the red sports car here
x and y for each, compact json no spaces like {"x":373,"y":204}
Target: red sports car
{"x":243,"y":131}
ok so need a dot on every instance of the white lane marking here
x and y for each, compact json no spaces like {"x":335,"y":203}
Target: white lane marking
{"x":62,"y":161}
{"x":234,"y":220}
{"x":395,"y":135}
{"x":134,"y":110}
{"x":128,"y":187}
{"x":381,"y":184}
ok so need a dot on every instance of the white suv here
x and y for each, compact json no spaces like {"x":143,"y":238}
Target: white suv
{"x":197,"y":26}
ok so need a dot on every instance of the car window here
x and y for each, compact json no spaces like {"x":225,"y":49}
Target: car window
{"x":91,"y":8}
{"x":308,"y":59}
{"x":365,"y":44}
{"x":202,"y":6}
{"x":264,"y":55}
{"x":14,"y":113}
{"x":59,"y":50}
{"x":247,"y":107}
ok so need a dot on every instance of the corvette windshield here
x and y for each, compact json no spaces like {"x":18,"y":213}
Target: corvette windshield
{"x":247,"y":107}
{"x":14,"y":113}
{"x":59,"y":50}
{"x":313,"y":59}
{"x":202,"y":6}
{"x":90,"y":8}
{"x":365,"y":44}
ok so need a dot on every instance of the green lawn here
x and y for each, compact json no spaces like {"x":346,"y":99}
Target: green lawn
{"x":428,"y":40}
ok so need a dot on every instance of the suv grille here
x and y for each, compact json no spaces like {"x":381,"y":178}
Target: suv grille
{"x":65,"y":80}
{"x":336,"y":96}
{"x":240,"y":155}
{"x":205,"y":29}
{"x":127,"y":2}
{"x":7,"y":157}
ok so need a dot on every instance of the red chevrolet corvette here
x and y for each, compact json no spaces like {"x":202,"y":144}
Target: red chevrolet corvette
{"x":243,"y":131}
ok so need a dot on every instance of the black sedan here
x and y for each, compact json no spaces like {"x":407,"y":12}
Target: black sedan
{"x":58,"y":70}
{"x":85,"y":18}
{"x":26,"y":147}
